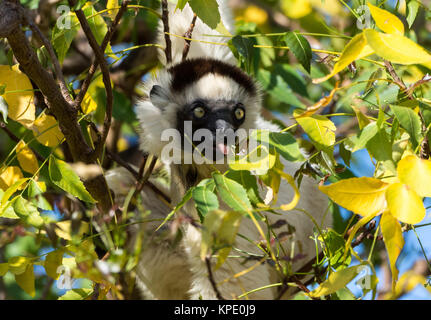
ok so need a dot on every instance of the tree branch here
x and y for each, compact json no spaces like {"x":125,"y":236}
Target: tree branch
{"x":188,"y":35}
{"x":165,"y":19}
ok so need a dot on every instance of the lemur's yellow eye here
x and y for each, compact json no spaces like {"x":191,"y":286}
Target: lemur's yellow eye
{"x":199,"y":112}
{"x":239,"y":113}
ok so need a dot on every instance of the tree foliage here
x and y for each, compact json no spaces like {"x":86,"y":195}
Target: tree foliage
{"x":341,"y":77}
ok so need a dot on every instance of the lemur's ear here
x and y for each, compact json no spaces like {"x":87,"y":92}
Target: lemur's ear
{"x":158,"y":96}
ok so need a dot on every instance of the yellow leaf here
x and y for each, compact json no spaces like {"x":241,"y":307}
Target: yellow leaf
{"x":64,"y":229}
{"x":408,"y":281}
{"x":319,"y":128}
{"x":26,"y":280}
{"x":260,"y":159}
{"x":255,"y":14}
{"x":396,"y":48}
{"x":52,"y":262}
{"x":404,"y":204}
{"x":296,"y":9}
{"x":3,"y":268}
{"x":110,"y":5}
{"x":19,"y":95}
{"x":291,"y":181}
{"x":357,"y":48}
{"x":336,"y":281}
{"x":46,"y":131}
{"x":364,"y":196}
{"x":88,"y":104}
{"x":394,"y":241}
{"x":416,"y":173}
{"x":8,"y":176}
{"x":18,"y":265}
{"x":386,"y":21}
{"x":26,"y":158}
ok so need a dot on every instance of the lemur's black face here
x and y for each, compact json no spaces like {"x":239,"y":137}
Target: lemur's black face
{"x":212,"y":122}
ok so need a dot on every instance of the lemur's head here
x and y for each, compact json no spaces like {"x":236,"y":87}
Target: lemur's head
{"x":200,"y":98}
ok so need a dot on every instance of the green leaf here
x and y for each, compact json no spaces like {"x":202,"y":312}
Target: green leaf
{"x":62,"y":38}
{"x":345,"y":154}
{"x":4,"y":108}
{"x":205,"y":200}
{"x":336,"y":281}
{"x":412,"y":11}
{"x":181,"y":4}
{"x":410,"y":122}
{"x":76,"y":294}
{"x":278,"y":88}
{"x":249,"y":182}
{"x":62,"y":175}
{"x":232,"y":193}
{"x":300,"y":48}
{"x":28,"y":212}
{"x":319,"y":128}
{"x":245,"y":48}
{"x":380,"y":148}
{"x":366,"y":135}
{"x":207,"y":11}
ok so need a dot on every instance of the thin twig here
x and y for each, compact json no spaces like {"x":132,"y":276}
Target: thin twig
{"x":86,"y":84}
{"x":165,"y":20}
{"x":105,"y":75}
{"x":188,"y":35}
{"x":211,"y":279}
{"x":54,"y":60}
{"x":425,"y":149}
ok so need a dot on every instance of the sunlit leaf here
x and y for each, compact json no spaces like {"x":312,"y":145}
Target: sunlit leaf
{"x":336,"y":281}
{"x":9,"y":176}
{"x":296,"y":9}
{"x":77,"y":294}
{"x":112,"y":5}
{"x":26,"y":158}
{"x":18,"y":95}
{"x":207,"y":11}
{"x":62,"y":175}
{"x":386,"y":21}
{"x":394,"y":241}
{"x":52,"y":261}
{"x":28,"y":212}
{"x":18,"y":265}
{"x":205,"y":200}
{"x":412,"y":11}
{"x":404,"y":204}
{"x":357,"y":48}
{"x":364,"y":196}
{"x":4,"y":267}
{"x":396,"y":48}
{"x":416,"y":173}
{"x":26,"y":280}
{"x":319,"y":128}
{"x":46,"y":131}
{"x":232,"y":193}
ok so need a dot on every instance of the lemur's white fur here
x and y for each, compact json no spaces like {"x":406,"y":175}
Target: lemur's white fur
{"x":165,"y":273}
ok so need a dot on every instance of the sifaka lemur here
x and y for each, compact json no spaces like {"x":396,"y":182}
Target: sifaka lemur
{"x":208,"y":91}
